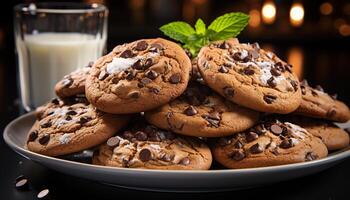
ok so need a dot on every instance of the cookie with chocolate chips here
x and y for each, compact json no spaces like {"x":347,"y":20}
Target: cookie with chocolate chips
{"x":267,"y":144}
{"x":201,"y":112}
{"x":331,"y":135}
{"x":73,"y":83}
{"x":318,"y":104}
{"x":67,"y":128}
{"x":138,"y":76}
{"x":152,"y":148}
{"x":250,"y":76}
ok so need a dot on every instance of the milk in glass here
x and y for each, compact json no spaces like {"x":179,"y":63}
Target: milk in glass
{"x":45,"y":58}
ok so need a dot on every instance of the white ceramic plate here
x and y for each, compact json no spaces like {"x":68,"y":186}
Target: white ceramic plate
{"x":170,"y":180}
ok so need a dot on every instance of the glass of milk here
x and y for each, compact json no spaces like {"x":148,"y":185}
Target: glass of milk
{"x":52,"y":40}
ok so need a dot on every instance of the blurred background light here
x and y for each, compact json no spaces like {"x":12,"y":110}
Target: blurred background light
{"x":296,"y":59}
{"x":269,"y":12}
{"x":326,"y":8}
{"x":296,"y":14}
{"x":255,"y":18}
{"x":344,"y":30}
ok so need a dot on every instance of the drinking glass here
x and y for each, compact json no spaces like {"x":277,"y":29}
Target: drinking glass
{"x":53,"y":39}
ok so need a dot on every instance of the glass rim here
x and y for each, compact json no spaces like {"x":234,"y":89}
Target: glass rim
{"x":44,"y":7}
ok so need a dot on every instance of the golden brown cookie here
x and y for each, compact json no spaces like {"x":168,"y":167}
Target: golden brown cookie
{"x":316,"y":103}
{"x":267,"y":144}
{"x":332,"y":136}
{"x":201,"y":112}
{"x":62,"y":129}
{"x":145,"y":146}
{"x":73,"y":83}
{"x":250,"y":76}
{"x":138,"y":76}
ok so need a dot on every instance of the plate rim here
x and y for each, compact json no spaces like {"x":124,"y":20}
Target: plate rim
{"x":332,"y":157}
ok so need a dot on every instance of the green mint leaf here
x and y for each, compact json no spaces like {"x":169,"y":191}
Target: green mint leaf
{"x":180,"y":31}
{"x":200,"y":27}
{"x":227,"y":26}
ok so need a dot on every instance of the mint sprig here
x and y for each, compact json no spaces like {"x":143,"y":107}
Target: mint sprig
{"x":224,"y":27}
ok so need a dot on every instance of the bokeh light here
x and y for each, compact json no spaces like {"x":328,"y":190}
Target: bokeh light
{"x":269,"y":12}
{"x":296,"y":14}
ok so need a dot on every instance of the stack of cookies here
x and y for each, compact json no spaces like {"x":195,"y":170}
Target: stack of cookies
{"x":148,"y":105}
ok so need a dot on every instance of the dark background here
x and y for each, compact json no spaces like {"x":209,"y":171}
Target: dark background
{"x":319,"y":50}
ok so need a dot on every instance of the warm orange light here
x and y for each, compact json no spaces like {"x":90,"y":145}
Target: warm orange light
{"x":296,"y":59}
{"x":338,"y":22}
{"x":344,"y":30}
{"x":296,"y":14}
{"x":268,"y":12}
{"x":326,"y":8}
{"x":255,"y":19}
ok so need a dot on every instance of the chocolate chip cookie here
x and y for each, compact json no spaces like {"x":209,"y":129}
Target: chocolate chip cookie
{"x":267,"y":144}
{"x":317,"y":103}
{"x":332,"y":136}
{"x":250,"y":76}
{"x":151,"y":148}
{"x":138,"y":76}
{"x":62,"y":129}
{"x":201,"y":112}
{"x":73,"y":83}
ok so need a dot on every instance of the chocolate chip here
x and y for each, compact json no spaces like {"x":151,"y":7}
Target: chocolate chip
{"x":127,"y":135}
{"x":137,"y":65}
{"x":71,"y":112}
{"x":175,"y":78}
{"x":188,"y":53}
{"x":294,"y":84}
{"x":319,"y":88}
{"x":113,"y":142}
{"x":141,"y":46}
{"x":303,"y":90}
{"x":32,"y":136}
{"x":21,"y":183}
{"x":103,"y":74}
{"x":141,"y":136}
{"x":237,"y":56}
{"x":223,"y":69}
{"x":155,"y":48}
{"x":276,"y":129}
{"x":288,"y":67}
{"x":238,"y":144}
{"x":212,"y":120}
{"x":286,"y":144}
{"x":229,"y":92}
{"x":44,"y":139}
{"x":331,"y":112}
{"x":279,"y":66}
{"x":131,"y":74}
{"x":151,"y":74}
{"x":55,"y":101}
{"x":251,"y":136}
{"x":148,"y":63}
{"x":46,"y":125}
{"x":237,"y":155}
{"x":134,"y":94}
{"x":155,"y":90}
{"x":84,"y":119}
{"x":334,"y":96}
{"x":310,"y":156}
{"x":43,"y":194}
{"x":223,"y":141}
{"x":268,"y":98}
{"x":260,"y":129}
{"x":68,"y":118}
{"x":167,"y":157}
{"x":224,"y":45}
{"x":67,"y":82}
{"x":275,"y":72}
{"x":248,"y":71}
{"x":185,"y":161}
{"x":272,"y":82}
{"x":145,"y":155}
{"x":190,"y":111}
{"x":256,"y":148}
{"x":127,"y":54}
